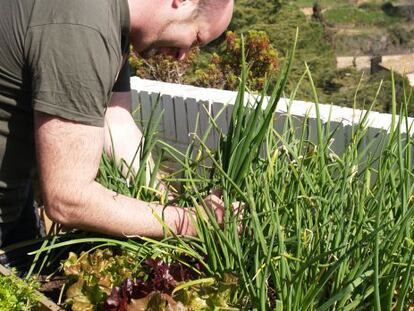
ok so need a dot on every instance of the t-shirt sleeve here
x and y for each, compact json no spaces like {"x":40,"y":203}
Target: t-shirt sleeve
{"x":123,"y":83}
{"x":73,"y":70}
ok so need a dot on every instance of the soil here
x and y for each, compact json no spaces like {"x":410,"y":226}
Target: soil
{"x":51,"y":286}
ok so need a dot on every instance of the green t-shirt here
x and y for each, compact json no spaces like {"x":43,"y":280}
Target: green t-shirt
{"x":60,"y":57}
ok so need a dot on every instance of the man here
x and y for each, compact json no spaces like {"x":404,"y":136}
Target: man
{"x":64,"y":83}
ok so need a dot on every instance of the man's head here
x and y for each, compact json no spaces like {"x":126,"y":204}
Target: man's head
{"x":174,"y":26}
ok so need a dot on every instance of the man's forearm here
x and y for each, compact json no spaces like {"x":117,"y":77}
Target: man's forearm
{"x":98,"y":209}
{"x":68,"y":157}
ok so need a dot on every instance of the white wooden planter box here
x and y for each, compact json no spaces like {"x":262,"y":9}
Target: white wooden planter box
{"x":182,"y":103}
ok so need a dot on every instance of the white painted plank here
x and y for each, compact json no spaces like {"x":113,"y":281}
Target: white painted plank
{"x":312,"y":130}
{"x":205,"y":116}
{"x":376,"y":140}
{"x":229,"y":113}
{"x":181,"y":124}
{"x":220,"y":116}
{"x":175,"y":144}
{"x":145,"y":101}
{"x":136,"y":106}
{"x":347,"y":132}
{"x":279,"y":122}
{"x":192,"y":116}
{"x":134,"y":99}
{"x":296,"y":125}
{"x":157,"y":107}
{"x":169,"y":118}
{"x":337,"y":137}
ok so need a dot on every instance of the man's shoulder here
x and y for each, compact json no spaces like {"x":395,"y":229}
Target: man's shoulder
{"x":95,"y":14}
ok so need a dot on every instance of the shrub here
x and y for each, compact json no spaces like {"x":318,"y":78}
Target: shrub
{"x":400,"y":36}
{"x":163,"y":68}
{"x":220,"y":69}
{"x":225,"y":66}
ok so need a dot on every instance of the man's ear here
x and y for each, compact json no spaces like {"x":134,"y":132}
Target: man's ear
{"x":177,"y":3}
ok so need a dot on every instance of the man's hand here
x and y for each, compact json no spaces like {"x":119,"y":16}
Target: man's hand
{"x":215,"y":203}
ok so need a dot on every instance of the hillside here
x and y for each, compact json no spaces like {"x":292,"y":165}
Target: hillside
{"x":366,"y":26}
{"x":334,"y":28}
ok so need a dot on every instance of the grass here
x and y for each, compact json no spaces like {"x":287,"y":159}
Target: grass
{"x":350,"y":14}
{"x":318,"y":230}
{"x":310,"y":3}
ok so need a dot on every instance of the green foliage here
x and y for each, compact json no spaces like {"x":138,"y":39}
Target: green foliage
{"x":225,"y":65}
{"x":310,"y":3}
{"x":250,"y":12}
{"x":401,"y":36}
{"x":319,"y":229}
{"x":239,"y":149}
{"x":17,"y":295}
{"x":121,"y":178}
{"x":348,"y":81}
{"x":219,"y":69}
{"x":360,"y":43}
{"x":313,"y":47}
{"x":307,"y":205}
{"x":372,"y":15}
{"x":163,"y":68}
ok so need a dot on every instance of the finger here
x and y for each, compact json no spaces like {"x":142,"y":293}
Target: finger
{"x":217,"y":192}
{"x":214,"y":200}
{"x":238,"y":206}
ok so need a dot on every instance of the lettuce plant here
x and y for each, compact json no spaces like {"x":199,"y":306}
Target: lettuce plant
{"x":15,"y":294}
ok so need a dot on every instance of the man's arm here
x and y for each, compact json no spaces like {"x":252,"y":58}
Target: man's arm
{"x":68,"y":156}
{"x":121,"y":132}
